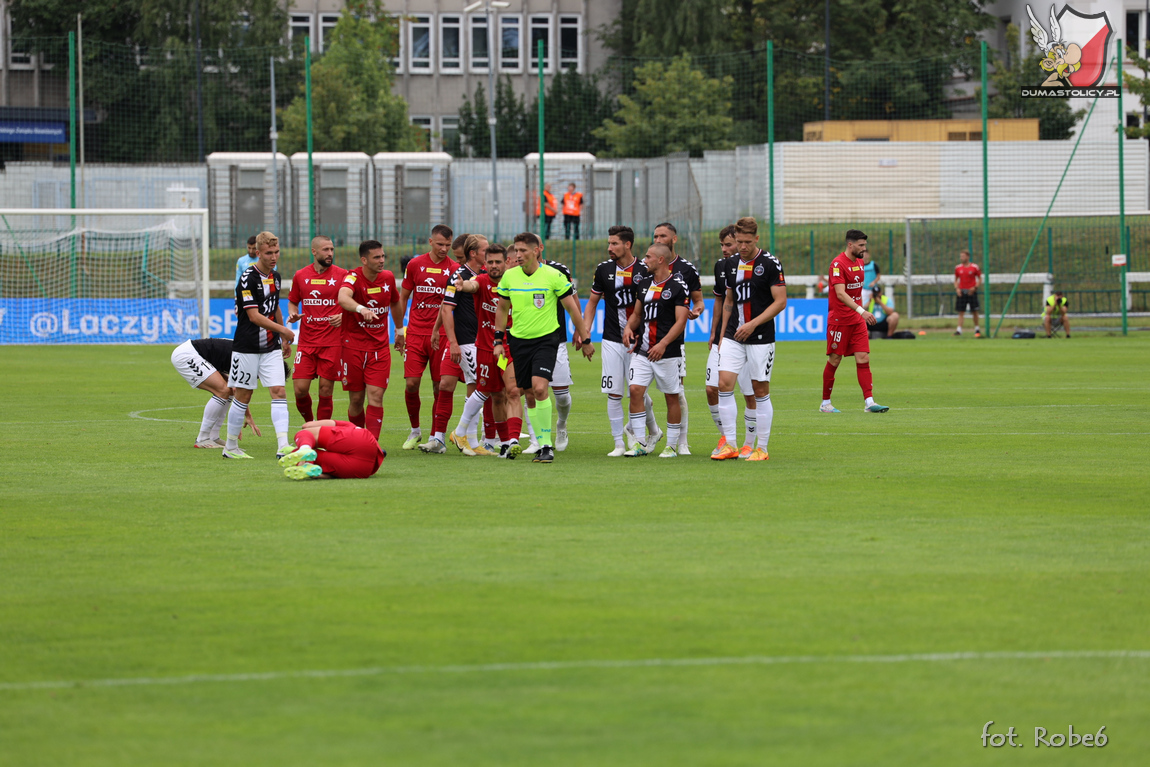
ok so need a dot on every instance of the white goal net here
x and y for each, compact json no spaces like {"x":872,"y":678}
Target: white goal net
{"x":103,"y":275}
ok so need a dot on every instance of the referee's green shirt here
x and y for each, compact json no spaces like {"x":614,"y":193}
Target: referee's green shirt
{"x":534,"y":300}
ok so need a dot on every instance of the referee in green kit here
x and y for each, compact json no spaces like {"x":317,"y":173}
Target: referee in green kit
{"x":529,"y":293}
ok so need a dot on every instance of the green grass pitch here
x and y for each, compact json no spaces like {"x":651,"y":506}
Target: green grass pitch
{"x":677,"y":612}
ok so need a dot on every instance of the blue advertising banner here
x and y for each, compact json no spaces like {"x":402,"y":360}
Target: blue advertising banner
{"x":29,"y":132}
{"x":172,"y":321}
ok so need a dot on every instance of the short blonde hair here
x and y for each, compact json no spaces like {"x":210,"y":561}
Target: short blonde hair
{"x":264,"y":239}
{"x":747,"y":225}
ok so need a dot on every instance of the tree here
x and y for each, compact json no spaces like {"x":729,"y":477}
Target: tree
{"x":353,"y":108}
{"x":675,"y":108}
{"x":1009,"y":75}
{"x":516,"y":131}
{"x":1140,"y":87}
{"x":572,"y":109}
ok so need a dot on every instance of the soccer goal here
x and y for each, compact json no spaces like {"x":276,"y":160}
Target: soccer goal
{"x":99,"y":275}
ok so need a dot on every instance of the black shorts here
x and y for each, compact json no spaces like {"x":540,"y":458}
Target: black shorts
{"x":967,"y":302}
{"x":881,"y":327}
{"x":534,"y":357}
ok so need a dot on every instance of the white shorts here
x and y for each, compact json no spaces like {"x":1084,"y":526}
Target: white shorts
{"x":756,"y":359}
{"x":713,"y":373}
{"x":616,"y":362}
{"x":188,"y":363}
{"x":665,"y":372}
{"x":467,"y":363}
{"x":683,"y":363}
{"x":562,"y":375}
{"x":246,"y":368}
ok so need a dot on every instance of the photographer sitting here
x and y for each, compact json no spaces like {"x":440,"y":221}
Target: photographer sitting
{"x":881,"y":306}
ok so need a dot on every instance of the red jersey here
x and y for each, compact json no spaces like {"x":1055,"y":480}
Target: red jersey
{"x":427,"y":281}
{"x":356,"y":332}
{"x":315,"y":295}
{"x":967,"y":275}
{"x":486,"y":302}
{"x":849,"y":272}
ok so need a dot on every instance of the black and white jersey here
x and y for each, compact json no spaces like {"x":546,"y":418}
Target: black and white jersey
{"x":217,"y":351}
{"x":262,"y":291}
{"x":752,"y":282}
{"x":720,"y":292}
{"x":687,"y":272}
{"x":463,"y":310}
{"x":561,"y":333}
{"x":619,"y":288}
{"x":658,"y":302}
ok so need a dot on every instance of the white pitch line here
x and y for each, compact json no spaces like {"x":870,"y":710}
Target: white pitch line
{"x":136,"y":413}
{"x":749,"y":660}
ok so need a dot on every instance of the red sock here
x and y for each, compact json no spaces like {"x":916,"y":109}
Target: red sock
{"x":412,"y":400}
{"x":863,"y":369}
{"x":325,"y":409}
{"x":514,"y":426}
{"x":489,"y":430}
{"x":303,"y":405}
{"x":356,"y":420}
{"x":444,"y":404}
{"x":374,"y":418}
{"x":304,"y":438}
{"x":502,"y":431}
{"x":828,"y":380}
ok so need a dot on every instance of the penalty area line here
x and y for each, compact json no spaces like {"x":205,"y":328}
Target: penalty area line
{"x":749,"y":660}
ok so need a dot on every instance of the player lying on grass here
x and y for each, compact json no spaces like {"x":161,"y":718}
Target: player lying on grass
{"x":199,"y":361}
{"x":333,"y":450}
{"x":655,"y":333}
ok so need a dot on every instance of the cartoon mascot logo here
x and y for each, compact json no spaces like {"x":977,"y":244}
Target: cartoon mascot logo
{"x":1074,"y":49}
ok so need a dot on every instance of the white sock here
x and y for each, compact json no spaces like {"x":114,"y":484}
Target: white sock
{"x":472,"y":407}
{"x":562,"y":405}
{"x":236,"y":415}
{"x":764,"y":414}
{"x":958,"y":329}
{"x":214,"y":413}
{"x":826,"y":402}
{"x":639,"y":425}
{"x":715,"y":417}
{"x":729,"y":413}
{"x":750,"y":423}
{"x":683,"y":421}
{"x":416,"y":432}
{"x":280,"y":421}
{"x":652,"y":424}
{"x":530,"y":426}
{"x":672,"y":434}
{"x":439,"y":436}
{"x":869,"y":401}
{"x":615,"y":416}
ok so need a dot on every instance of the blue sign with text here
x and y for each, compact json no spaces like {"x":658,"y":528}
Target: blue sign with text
{"x":28,"y":132}
{"x":173,"y":321}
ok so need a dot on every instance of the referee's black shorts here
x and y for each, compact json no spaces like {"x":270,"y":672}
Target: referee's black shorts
{"x":534,"y":357}
{"x":967,"y":301}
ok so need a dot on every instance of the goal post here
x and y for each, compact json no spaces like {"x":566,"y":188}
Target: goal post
{"x":104,"y":275}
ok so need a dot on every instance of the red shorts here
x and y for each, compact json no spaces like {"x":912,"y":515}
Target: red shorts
{"x":418,"y":355}
{"x":845,"y":340}
{"x":488,"y":374}
{"x":347,"y":451}
{"x":362,"y":369}
{"x":446,"y":366}
{"x":317,"y":362}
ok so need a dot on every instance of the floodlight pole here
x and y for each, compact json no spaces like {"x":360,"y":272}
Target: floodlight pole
{"x":310,"y":165}
{"x":199,"y":89}
{"x":985,"y":205}
{"x":275,"y":155}
{"x":542,"y":202}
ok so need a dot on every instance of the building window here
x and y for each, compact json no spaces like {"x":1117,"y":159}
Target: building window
{"x":449,"y":135}
{"x":479,"y":43}
{"x":540,"y":31}
{"x":419,"y":43}
{"x":510,"y":44}
{"x":1132,"y":30}
{"x":424,"y":124}
{"x":450,"y":44}
{"x":569,"y":36}
{"x":327,"y":23}
{"x":300,"y":27}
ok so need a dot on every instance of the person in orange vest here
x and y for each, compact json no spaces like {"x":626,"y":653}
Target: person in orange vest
{"x":549,"y":210}
{"x":572,"y":209}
